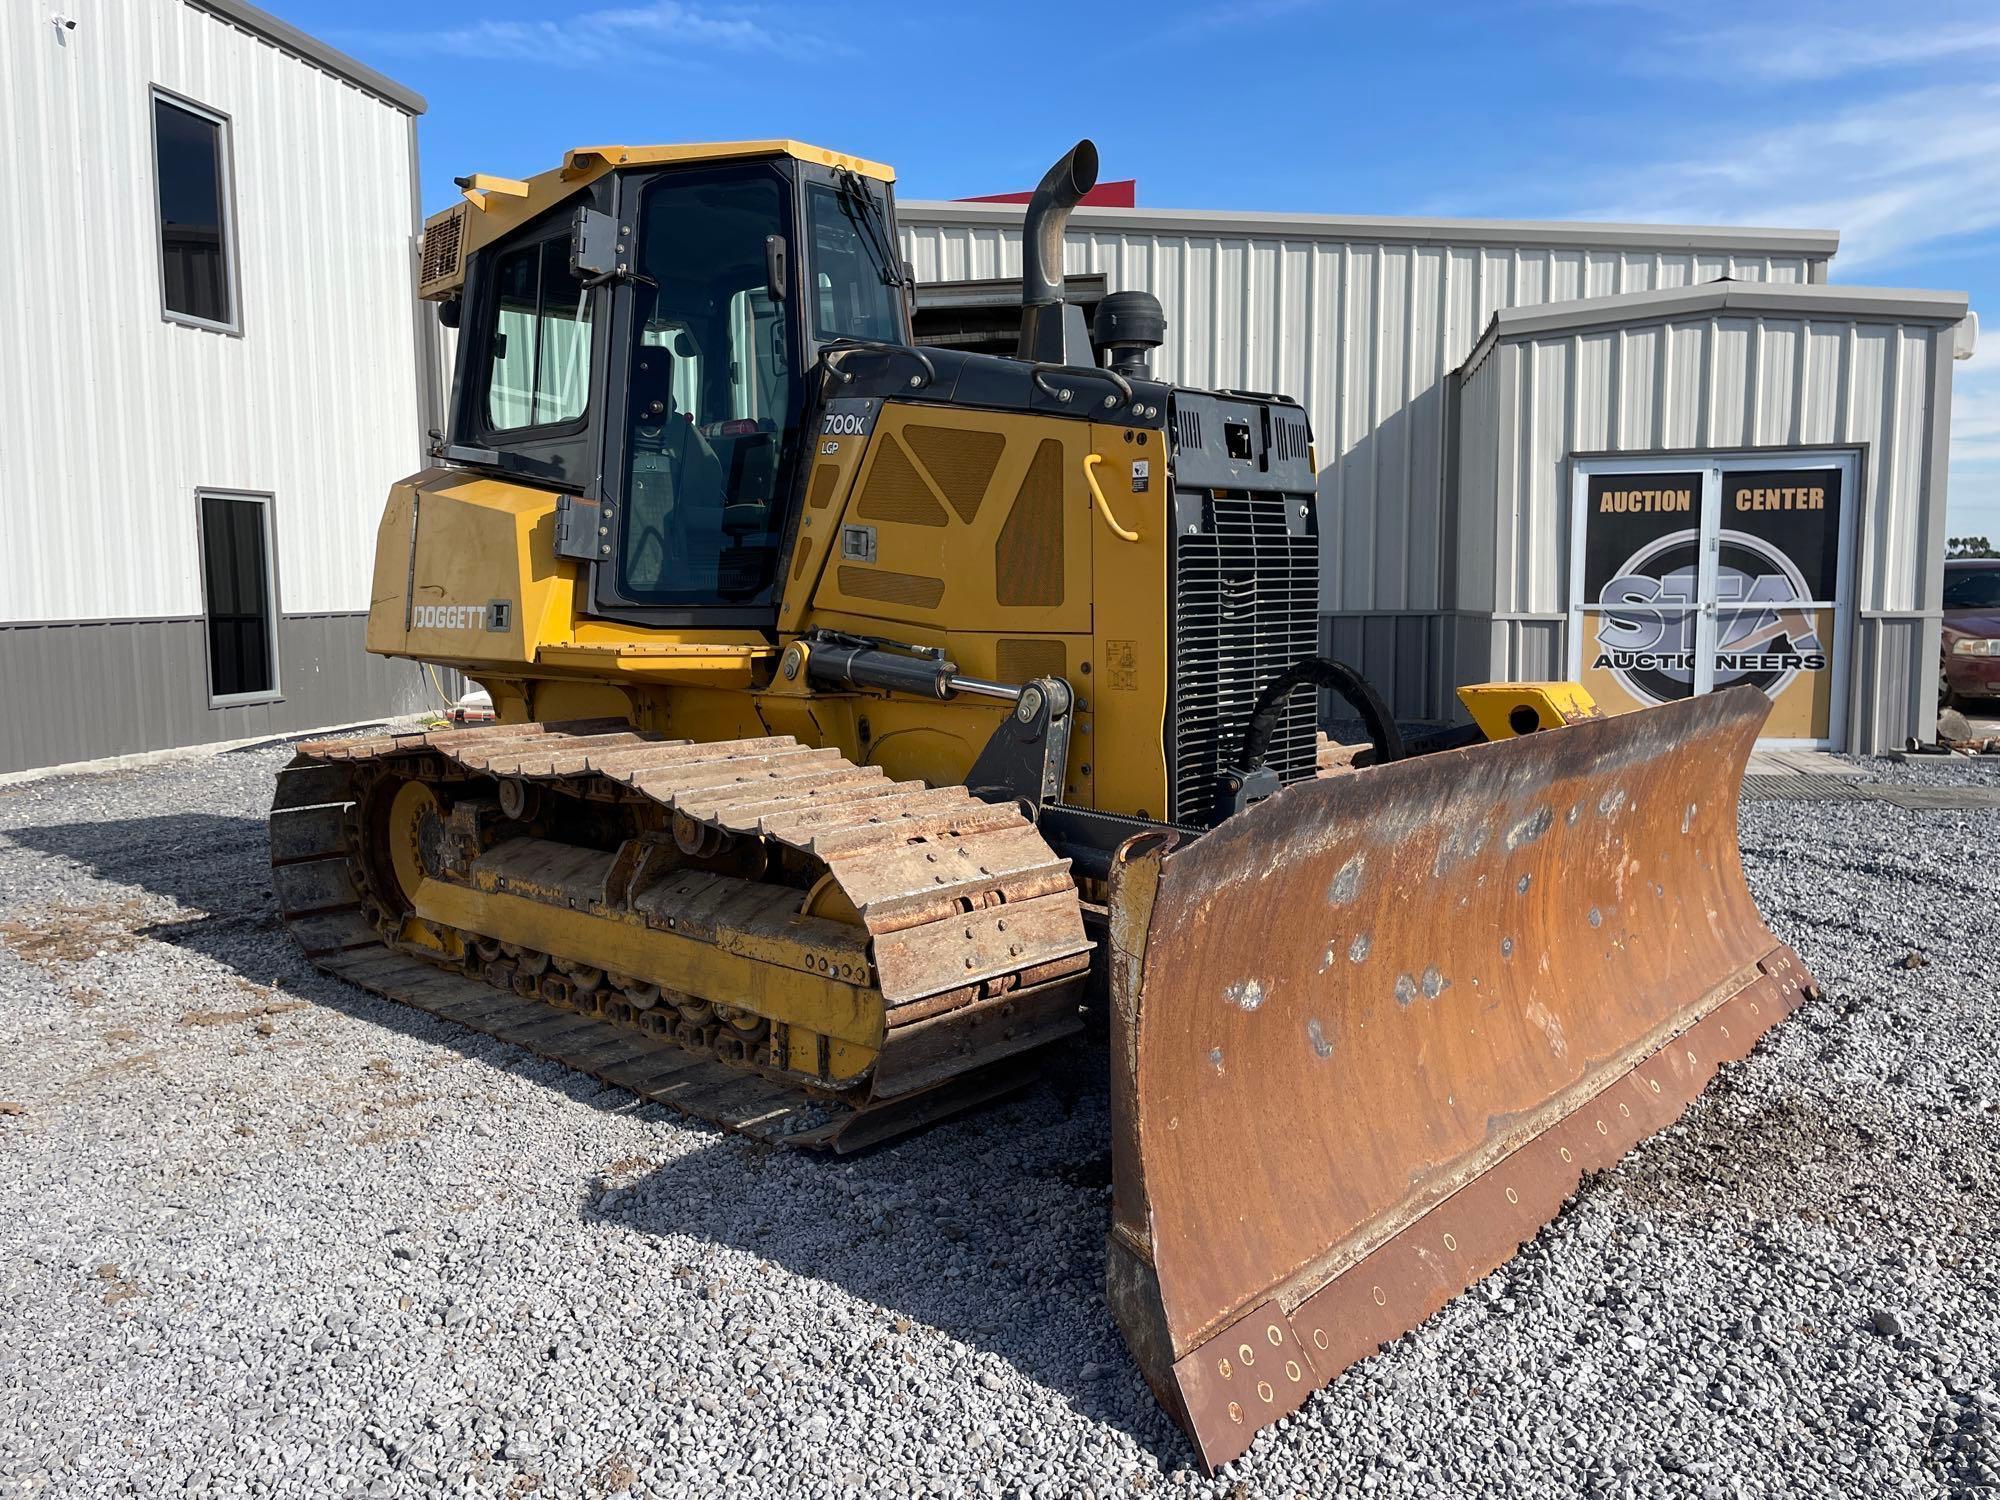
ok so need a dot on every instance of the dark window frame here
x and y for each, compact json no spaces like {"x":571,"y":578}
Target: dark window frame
{"x":559,"y":457}
{"x":535,"y":393}
{"x":608,"y":599}
{"x":232,"y":285}
{"x":812,"y":192}
{"x":269,"y":502}
{"x":478,"y":407}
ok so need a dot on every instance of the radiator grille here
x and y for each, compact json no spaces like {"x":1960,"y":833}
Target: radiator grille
{"x":913,"y":590}
{"x":1023,"y":660}
{"x":1289,"y":439}
{"x":896,"y":492}
{"x":443,"y":267}
{"x":1245,"y":604}
{"x":824,"y":479}
{"x":1028,"y":553}
{"x":961,"y":462}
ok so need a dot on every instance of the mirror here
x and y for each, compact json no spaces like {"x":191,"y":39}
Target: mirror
{"x":775,"y":266}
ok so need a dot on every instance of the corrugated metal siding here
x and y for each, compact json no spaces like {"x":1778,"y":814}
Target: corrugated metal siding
{"x":1712,"y":382}
{"x":1895,"y":682}
{"x":116,"y":416}
{"x":1707,"y":383}
{"x":1364,"y":332}
{"x":88,"y":691}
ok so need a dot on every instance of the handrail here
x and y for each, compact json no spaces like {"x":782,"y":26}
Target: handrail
{"x":1090,"y":463}
{"x":1048,"y":388}
{"x":877,"y":346}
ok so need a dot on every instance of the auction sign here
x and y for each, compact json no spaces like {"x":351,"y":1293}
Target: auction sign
{"x":1777,"y":535}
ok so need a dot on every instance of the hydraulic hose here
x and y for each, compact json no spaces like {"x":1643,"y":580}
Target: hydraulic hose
{"x":1336,"y":676}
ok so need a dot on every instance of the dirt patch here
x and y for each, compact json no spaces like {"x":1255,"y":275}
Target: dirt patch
{"x":231,"y":1017}
{"x":383,"y":1135}
{"x":76,"y":934}
{"x":122,"y":1065}
{"x":119,"y":1287}
{"x":614,"y":1476}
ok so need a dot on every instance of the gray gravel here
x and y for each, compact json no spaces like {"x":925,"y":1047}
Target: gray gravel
{"x":262,"y":1234}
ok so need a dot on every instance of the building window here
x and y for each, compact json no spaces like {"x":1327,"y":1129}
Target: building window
{"x":236,"y":584}
{"x":191,"y":167}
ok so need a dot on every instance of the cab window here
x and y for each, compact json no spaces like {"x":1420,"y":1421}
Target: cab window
{"x":538,"y":339}
{"x":855,"y":273}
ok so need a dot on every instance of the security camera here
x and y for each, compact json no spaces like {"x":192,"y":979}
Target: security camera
{"x":63,"y":21}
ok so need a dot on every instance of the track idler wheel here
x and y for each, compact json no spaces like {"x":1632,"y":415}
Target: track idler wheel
{"x":638,"y":994}
{"x":582,"y":977}
{"x":529,"y":962}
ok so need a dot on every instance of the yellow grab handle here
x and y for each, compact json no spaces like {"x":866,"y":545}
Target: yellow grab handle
{"x":1090,"y":463}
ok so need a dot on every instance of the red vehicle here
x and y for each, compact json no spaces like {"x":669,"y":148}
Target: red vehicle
{"x":1971,"y":641}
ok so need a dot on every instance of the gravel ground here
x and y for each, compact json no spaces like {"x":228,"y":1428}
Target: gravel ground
{"x":263,"y":1234}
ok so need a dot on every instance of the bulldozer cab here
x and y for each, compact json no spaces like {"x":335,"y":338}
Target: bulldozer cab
{"x":647,"y":346}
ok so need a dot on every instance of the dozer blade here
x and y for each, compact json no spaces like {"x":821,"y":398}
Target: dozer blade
{"x":1368,"y":1035}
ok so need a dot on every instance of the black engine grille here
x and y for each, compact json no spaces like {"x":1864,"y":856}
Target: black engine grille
{"x":1244,"y":606}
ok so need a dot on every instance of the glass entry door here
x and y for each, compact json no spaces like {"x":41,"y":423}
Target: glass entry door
{"x":1692,"y":574}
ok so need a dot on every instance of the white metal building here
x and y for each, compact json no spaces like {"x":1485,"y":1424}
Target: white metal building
{"x":1805,"y":428}
{"x":1448,"y":559}
{"x":213,"y":375}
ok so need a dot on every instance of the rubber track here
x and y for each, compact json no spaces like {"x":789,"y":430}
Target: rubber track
{"x":919,"y":863}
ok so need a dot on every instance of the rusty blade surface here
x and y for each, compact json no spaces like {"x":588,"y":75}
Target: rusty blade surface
{"x":1367,"y":1035}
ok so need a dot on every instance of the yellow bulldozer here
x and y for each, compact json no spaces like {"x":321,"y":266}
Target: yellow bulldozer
{"x":866,"y":712}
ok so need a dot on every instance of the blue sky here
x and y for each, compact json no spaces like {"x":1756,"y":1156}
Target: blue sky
{"x":1880,"y":121}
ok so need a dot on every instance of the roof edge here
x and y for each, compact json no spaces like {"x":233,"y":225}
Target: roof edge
{"x":1902,"y":304}
{"x":700,"y":151}
{"x":1812,"y":244}
{"x":262,"y":23}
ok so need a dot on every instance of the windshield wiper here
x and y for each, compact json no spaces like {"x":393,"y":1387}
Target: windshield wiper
{"x":872,"y":223}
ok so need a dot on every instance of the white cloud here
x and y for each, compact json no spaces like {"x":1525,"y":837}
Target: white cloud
{"x":1974,"y":500}
{"x":1205,"y":18}
{"x":1975,"y":413}
{"x":1893,"y":138}
{"x":1896,"y":174}
{"x":1804,"y":51}
{"x":652,"y":32}
{"x":1902,"y":176}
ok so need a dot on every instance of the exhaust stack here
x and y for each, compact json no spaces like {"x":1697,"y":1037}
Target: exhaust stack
{"x":1052,"y":331}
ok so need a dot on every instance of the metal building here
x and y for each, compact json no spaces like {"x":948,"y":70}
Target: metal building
{"x":213,"y":373}
{"x":1371,"y":323}
{"x":1668,"y":492}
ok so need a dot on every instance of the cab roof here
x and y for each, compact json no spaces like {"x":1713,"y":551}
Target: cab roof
{"x":494,"y":205}
{"x":585,"y":158}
